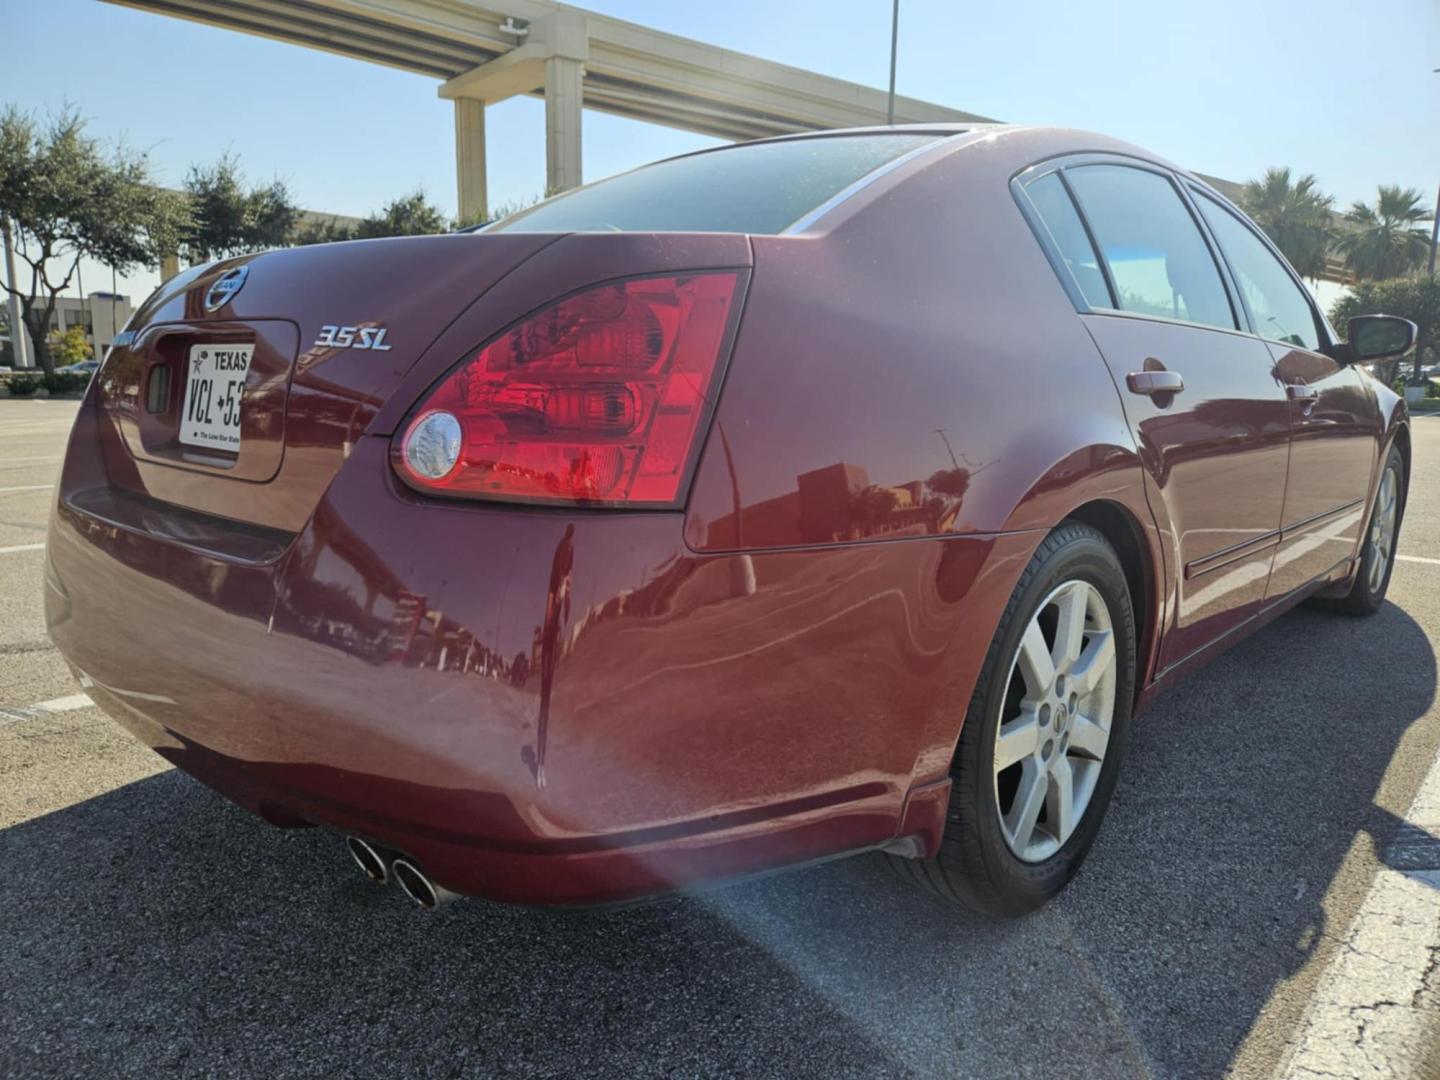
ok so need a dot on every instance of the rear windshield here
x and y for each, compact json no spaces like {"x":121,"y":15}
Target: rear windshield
{"x":755,"y":188}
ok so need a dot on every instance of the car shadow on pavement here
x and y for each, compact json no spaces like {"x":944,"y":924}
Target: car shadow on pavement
{"x":158,"y":926}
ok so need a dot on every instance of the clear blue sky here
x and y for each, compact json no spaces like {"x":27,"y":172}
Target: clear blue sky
{"x":1227,"y":87}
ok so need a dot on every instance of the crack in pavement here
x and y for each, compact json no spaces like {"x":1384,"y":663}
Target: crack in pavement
{"x":1361,"y":1020}
{"x":21,"y":648}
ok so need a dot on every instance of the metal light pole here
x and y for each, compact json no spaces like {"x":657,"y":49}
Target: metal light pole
{"x":80,"y":289}
{"x":894,"y":38}
{"x":1434,"y":225}
{"x":946,"y":440}
{"x":1434,"y":232}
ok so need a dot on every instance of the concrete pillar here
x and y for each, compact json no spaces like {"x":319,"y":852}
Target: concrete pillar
{"x":563,"y":76}
{"x":470,"y":160}
{"x":19,"y":336}
{"x":169,"y":266}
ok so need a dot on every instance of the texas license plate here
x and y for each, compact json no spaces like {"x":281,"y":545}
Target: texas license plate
{"x":214,"y":388}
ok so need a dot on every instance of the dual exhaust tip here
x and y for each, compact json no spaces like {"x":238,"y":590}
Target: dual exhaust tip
{"x":380,"y":867}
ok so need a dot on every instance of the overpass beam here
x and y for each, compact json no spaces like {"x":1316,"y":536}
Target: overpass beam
{"x":470,"y":160}
{"x":553,"y":60}
{"x":563,"y":96}
{"x":520,"y":71}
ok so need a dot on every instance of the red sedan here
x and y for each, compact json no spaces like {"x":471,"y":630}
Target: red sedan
{"x":825,"y":494}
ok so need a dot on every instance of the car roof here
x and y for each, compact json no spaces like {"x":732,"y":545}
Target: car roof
{"x":1012,"y":146}
{"x":1024,"y":143}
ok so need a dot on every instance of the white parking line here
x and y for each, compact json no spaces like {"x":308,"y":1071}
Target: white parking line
{"x":44,"y":708}
{"x":1419,"y":559}
{"x":14,"y":460}
{"x":20,"y":547}
{"x":27,"y":487}
{"x":1370,"y":1013}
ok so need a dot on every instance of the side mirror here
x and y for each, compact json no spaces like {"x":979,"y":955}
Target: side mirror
{"x":1379,"y":337}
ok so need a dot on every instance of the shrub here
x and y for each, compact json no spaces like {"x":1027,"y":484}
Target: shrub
{"x":71,"y":347}
{"x":65,"y":382}
{"x":1413,"y":298}
{"x":23,"y":385}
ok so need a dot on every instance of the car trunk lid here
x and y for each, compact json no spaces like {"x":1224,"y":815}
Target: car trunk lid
{"x":317,"y":338}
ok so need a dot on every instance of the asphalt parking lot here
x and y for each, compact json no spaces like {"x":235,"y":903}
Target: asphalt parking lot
{"x":1263,"y":900}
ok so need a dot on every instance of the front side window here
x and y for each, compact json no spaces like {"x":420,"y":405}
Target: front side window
{"x":1279,"y":306}
{"x":1052,"y":203}
{"x":762,"y":187}
{"x":1157,"y":256}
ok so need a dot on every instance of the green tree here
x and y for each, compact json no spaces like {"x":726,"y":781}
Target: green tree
{"x":71,"y":347}
{"x":504,"y":210}
{"x":953,"y":483}
{"x":228,"y":217}
{"x":871,"y":505}
{"x":1385,"y":240}
{"x":1413,"y":298}
{"x":409,"y":215}
{"x":1295,"y":215}
{"x":62,"y":197}
{"x":324,"y":231}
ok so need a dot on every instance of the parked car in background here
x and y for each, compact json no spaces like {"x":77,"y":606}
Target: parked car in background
{"x":84,"y":367}
{"x":834,"y":493}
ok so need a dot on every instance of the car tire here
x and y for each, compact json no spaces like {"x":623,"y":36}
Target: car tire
{"x":1377,"y":553}
{"x":984,"y":865}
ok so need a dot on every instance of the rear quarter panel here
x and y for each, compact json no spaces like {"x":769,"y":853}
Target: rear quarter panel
{"x":915,"y":369}
{"x":922,"y":345}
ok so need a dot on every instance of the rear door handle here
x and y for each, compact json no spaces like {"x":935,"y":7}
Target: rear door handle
{"x":1302,"y":393}
{"x":1154,"y":382}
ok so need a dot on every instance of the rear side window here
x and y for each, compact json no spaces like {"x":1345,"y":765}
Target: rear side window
{"x":1157,"y":256}
{"x":756,"y":188}
{"x":1280,"y":309}
{"x":1052,"y":203}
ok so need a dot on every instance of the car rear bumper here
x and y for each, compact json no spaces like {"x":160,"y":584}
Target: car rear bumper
{"x":533,"y":705}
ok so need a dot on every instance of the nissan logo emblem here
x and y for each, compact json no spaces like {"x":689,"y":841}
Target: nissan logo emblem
{"x":223,"y":289}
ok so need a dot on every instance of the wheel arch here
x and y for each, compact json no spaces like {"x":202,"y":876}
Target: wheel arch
{"x":1120,"y":528}
{"x":1397,"y":437}
{"x":1400,"y":439}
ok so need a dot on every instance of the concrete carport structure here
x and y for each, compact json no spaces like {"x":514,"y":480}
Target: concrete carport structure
{"x":485,"y":51}
{"x":488,"y":50}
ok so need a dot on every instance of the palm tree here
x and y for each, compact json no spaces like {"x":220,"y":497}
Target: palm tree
{"x":1296,"y":216}
{"x":1385,"y":240}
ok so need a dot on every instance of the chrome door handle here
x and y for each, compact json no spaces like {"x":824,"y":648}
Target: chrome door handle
{"x":1154,"y":382}
{"x":1302,"y":393}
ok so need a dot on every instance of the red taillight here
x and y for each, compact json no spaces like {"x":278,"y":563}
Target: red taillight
{"x":596,"y":399}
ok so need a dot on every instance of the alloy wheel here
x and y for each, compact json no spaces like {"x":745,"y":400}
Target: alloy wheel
{"x":1382,"y":528}
{"x":1055,"y":721}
